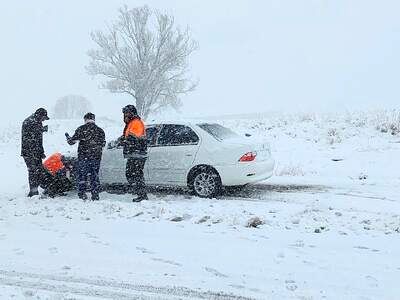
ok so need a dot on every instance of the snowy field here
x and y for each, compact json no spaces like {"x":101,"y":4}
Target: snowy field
{"x":330,"y":223}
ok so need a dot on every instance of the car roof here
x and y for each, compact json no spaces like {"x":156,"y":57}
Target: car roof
{"x":177,"y":122}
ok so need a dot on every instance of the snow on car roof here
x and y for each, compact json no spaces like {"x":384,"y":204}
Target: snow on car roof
{"x":179,"y":122}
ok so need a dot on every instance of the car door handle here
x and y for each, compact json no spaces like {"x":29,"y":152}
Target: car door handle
{"x":189,"y":154}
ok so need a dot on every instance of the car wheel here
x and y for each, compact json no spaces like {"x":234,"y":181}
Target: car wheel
{"x":205,"y":183}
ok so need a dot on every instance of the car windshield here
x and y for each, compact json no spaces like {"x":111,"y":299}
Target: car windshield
{"x":218,"y":131}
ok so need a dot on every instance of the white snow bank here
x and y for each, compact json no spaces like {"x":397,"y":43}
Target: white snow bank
{"x":331,"y":223}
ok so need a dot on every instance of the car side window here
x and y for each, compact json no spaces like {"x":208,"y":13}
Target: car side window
{"x":175,"y":135}
{"x":151,"y":135}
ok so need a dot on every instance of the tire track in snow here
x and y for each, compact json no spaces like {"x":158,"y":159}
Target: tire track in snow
{"x":104,"y":288}
{"x":67,"y":289}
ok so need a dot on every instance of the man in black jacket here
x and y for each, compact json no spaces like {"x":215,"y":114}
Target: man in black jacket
{"x":32,"y":148}
{"x":91,"y":140}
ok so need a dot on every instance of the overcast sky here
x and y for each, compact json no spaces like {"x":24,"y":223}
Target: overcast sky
{"x":254,"y":55}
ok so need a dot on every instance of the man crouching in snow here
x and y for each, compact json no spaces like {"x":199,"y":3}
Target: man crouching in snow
{"x":60,"y":177}
{"x":91,"y":140}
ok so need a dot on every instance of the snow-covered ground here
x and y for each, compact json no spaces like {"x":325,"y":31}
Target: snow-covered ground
{"x":331,"y":227}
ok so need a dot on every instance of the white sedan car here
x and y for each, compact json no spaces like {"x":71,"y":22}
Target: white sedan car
{"x":201,"y":156}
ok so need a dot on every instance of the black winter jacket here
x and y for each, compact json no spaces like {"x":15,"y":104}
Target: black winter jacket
{"x":32,"y":138}
{"x":134,"y":147}
{"x":91,"y":140}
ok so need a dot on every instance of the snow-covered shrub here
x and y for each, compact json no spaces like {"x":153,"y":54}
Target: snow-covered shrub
{"x":307,"y":117}
{"x":255,"y":222}
{"x":359,"y":123}
{"x":388,"y":122}
{"x":356,"y":119}
{"x":334,"y":136}
{"x":363,"y":176}
{"x":71,"y":107}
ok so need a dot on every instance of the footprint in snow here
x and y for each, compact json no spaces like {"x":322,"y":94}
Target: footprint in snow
{"x":298,"y":244}
{"x":53,"y":250}
{"x":215,"y":272}
{"x":29,"y":294}
{"x":63,"y":234}
{"x":19,"y":251}
{"x":144,"y":250}
{"x":100,"y":242}
{"x":361,"y":247}
{"x":165,"y":261}
{"x":90,"y":236}
{"x":237,"y":286}
{"x":95,"y":239}
{"x":291,"y":285}
{"x":261,"y":236}
{"x":308,"y":263}
{"x":372,"y":281}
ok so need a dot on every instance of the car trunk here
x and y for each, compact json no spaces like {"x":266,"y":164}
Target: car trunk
{"x":250,"y":144}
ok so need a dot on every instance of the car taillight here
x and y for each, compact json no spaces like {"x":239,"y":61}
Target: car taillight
{"x":249,"y":156}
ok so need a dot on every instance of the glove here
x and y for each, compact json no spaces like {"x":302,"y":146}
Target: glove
{"x":112,"y":145}
{"x":46,"y":128}
{"x":69,"y":139}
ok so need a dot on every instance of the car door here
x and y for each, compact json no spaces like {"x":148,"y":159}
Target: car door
{"x":173,"y":154}
{"x":113,"y":165}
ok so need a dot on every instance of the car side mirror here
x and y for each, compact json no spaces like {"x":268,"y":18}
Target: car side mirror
{"x":247,"y":134}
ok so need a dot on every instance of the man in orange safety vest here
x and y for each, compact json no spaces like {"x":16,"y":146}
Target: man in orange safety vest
{"x":59,"y":175}
{"x":135,"y":150}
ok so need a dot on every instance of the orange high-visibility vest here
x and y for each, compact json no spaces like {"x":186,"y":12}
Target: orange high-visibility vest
{"x":54,"y":163}
{"x":135,"y":127}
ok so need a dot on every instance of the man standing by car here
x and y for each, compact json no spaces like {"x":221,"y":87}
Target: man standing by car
{"x":91,"y":140}
{"x":32,"y":148}
{"x":135,"y":150}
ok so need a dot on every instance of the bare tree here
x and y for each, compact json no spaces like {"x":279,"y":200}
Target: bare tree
{"x":71,"y":107}
{"x":145,"y":55}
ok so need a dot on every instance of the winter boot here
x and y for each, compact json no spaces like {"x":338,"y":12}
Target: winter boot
{"x":140,"y":198}
{"x":47,"y":193}
{"x":83,"y":196}
{"x":33,"y":192}
{"x":95,"y":197}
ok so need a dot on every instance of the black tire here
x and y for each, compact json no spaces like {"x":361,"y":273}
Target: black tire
{"x":205,"y":182}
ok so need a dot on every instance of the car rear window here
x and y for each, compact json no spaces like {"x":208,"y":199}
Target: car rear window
{"x":218,"y":131}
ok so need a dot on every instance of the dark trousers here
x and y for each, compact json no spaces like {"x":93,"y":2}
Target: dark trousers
{"x":36,"y":171}
{"x":59,"y":184}
{"x":88,"y":168}
{"x":135,"y":175}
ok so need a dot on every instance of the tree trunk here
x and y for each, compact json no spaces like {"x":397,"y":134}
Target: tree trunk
{"x":140,"y":106}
